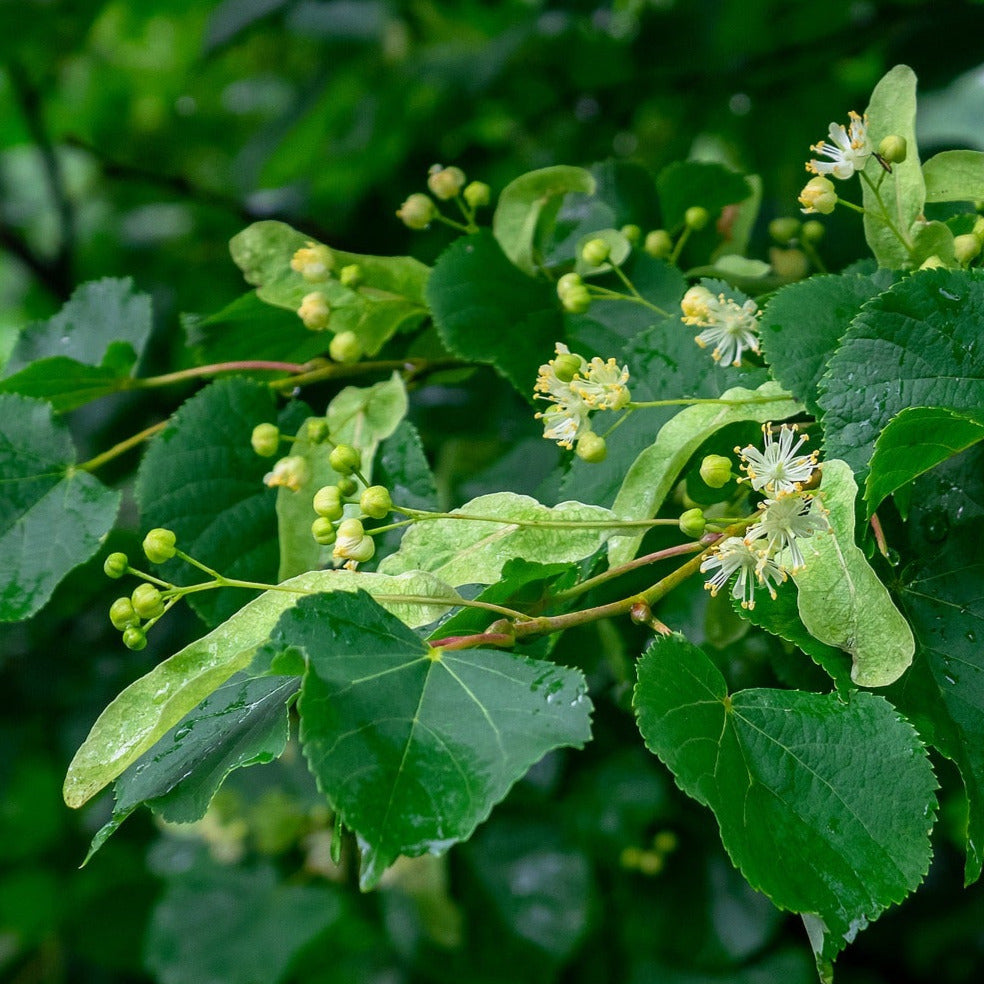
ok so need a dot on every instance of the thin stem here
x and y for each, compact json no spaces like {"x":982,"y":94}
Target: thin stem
{"x":150,"y":577}
{"x":605,"y":293}
{"x":896,"y":231}
{"x":419,"y":515}
{"x":411,"y":368}
{"x":117,"y":449}
{"x":618,"y":423}
{"x":198,"y":564}
{"x":460,"y":226}
{"x":814,"y":256}
{"x":248,"y":365}
{"x":620,"y":273}
{"x":696,"y":401}
{"x":680,"y":243}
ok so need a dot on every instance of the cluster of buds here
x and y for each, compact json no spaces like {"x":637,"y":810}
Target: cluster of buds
{"x":576,"y":388}
{"x":770,"y":549}
{"x":727,"y":325}
{"x":445,"y":184}
{"x":316,"y":263}
{"x":133,"y":615}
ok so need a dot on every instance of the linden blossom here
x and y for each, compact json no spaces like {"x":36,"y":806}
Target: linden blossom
{"x":753,"y":567}
{"x":848,"y":150}
{"x":785,"y":520}
{"x":728,"y":326}
{"x":778,"y":468}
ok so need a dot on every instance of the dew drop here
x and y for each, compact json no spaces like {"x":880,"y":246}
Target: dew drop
{"x":935,"y":527}
{"x":971,"y":637}
{"x":948,"y":295}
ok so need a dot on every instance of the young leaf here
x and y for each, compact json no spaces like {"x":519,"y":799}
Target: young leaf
{"x":143,"y":713}
{"x":414,"y":746}
{"x":841,"y":601}
{"x":655,"y":471}
{"x":917,"y":344}
{"x":528,"y":207}
{"x":473,"y":551}
{"x":53,"y":517}
{"x":954,"y":176}
{"x":842,"y":792}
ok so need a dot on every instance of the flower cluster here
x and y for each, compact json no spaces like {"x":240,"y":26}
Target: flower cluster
{"x":577,"y":388}
{"x":729,"y":326}
{"x":770,"y":549}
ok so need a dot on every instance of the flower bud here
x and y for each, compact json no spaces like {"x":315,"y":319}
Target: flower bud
{"x":375,"y":502}
{"x":966,"y":247}
{"x":344,"y":459}
{"x":346,"y":486}
{"x":134,"y":637}
{"x":595,"y":252}
{"x":933,"y":262}
{"x":477,"y":194}
{"x":317,"y":430}
{"x":116,"y":565}
{"x":417,"y":212}
{"x":694,"y":304}
{"x":978,"y":229}
{"x":566,"y":366}
{"x":692,"y":523}
{"x":289,"y":473}
{"x":147,"y":601}
{"x":813,"y":231}
{"x":893,"y":149}
{"x":158,"y":545}
{"x":640,"y":612}
{"x":323,"y":531}
{"x":314,"y":311}
{"x":328,"y":502}
{"x":345,"y":347}
{"x":631,"y":232}
{"x":567,"y":283}
{"x":362,"y":551}
{"x":121,"y":614}
{"x":789,"y":264}
{"x":659,"y":244}
{"x":313,"y":262}
{"x":715,"y":470}
{"x":784,"y":229}
{"x":577,"y":300}
{"x":352,"y":542}
{"x":591,"y":447}
{"x":265,"y":440}
{"x":350,"y":275}
{"x":696,"y":217}
{"x":445,"y":182}
{"x":819,"y":195}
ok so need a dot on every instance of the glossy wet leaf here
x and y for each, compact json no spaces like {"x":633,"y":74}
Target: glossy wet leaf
{"x":840,"y":599}
{"x":474,"y":551}
{"x":916,"y":344}
{"x":954,"y":176}
{"x":414,"y":747}
{"x":146,"y":710}
{"x":52,"y":517}
{"x":656,"y":470}
{"x":842,"y":792}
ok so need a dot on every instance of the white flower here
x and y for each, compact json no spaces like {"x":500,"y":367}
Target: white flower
{"x":778,"y":468}
{"x":753,"y":567}
{"x":602,"y":385}
{"x":785,"y":520}
{"x":848,"y":149}
{"x":729,"y":326}
{"x":564,"y":424}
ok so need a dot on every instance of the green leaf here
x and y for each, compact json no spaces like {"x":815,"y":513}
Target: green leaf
{"x":656,"y":470}
{"x":243,"y":722}
{"x":391,"y":297}
{"x":685,"y":184}
{"x":474,"y":551}
{"x":146,"y":710}
{"x":802,"y":325}
{"x":841,"y":792}
{"x":932,"y":239}
{"x":917,"y":344}
{"x":53,"y":517}
{"x":413,"y":746}
{"x":528,"y":206}
{"x":238,"y":925}
{"x":955,"y":176}
{"x":486,"y":310}
{"x":64,"y":383}
{"x":841,"y":601}
{"x":892,"y":110}
{"x":916,"y":440}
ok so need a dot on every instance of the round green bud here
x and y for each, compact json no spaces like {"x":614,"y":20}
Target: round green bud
{"x":696,"y":218}
{"x":375,"y":502}
{"x":591,"y":447}
{"x":567,"y":283}
{"x":344,"y":459}
{"x":595,"y":252}
{"x":350,"y":276}
{"x":692,"y":523}
{"x":784,"y":229}
{"x":715,"y":470}
{"x":158,"y":545}
{"x":658,"y":244}
{"x":933,"y":262}
{"x":363,"y":550}
{"x":116,"y":565}
{"x":265,"y":440}
{"x":134,"y":637}
{"x":445,"y":182}
{"x":966,"y":248}
{"x":351,"y":529}
{"x":345,"y":347}
{"x":893,"y":149}
{"x":978,"y":229}
{"x":328,"y":502}
{"x":346,"y":486}
{"x":477,"y":194}
{"x":121,"y":614}
{"x":566,"y":366}
{"x":417,"y":212}
{"x":323,"y":531}
{"x":147,"y":601}
{"x":631,"y":232}
{"x":314,"y":311}
{"x":577,"y":300}
{"x":812,"y":232}
{"x":818,"y":195}
{"x":317,"y":430}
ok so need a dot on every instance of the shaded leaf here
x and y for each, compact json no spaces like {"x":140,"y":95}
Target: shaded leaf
{"x":954,"y":176}
{"x":685,"y":184}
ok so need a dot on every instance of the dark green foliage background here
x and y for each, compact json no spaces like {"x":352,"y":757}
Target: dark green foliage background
{"x":135,"y":140}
